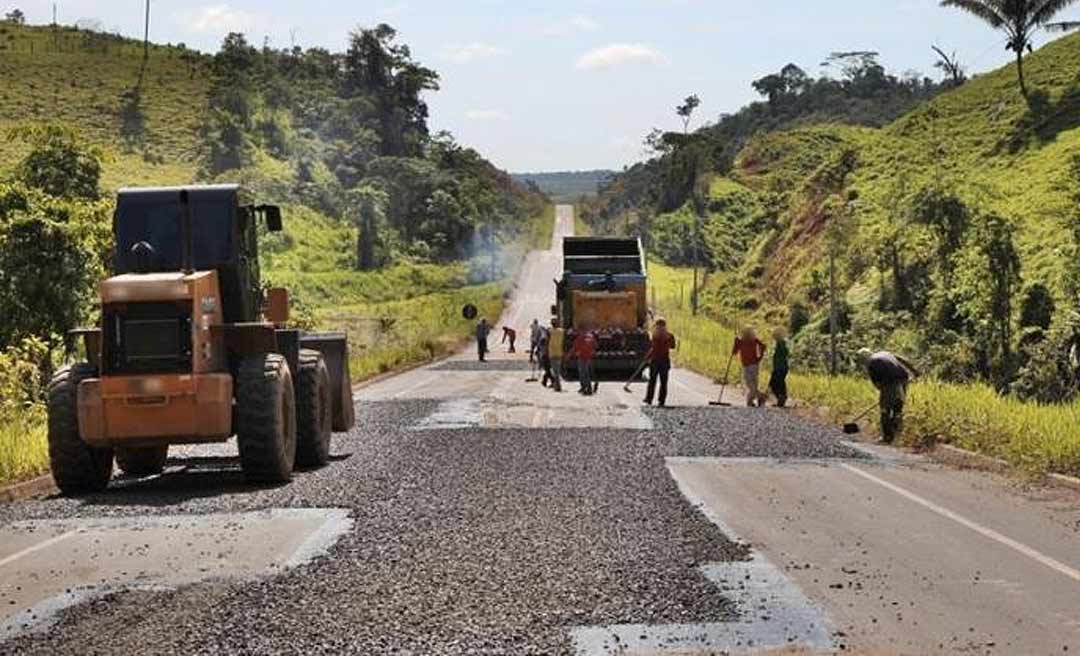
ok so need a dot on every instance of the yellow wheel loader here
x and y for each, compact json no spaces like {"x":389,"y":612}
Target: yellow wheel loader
{"x":192,"y":349}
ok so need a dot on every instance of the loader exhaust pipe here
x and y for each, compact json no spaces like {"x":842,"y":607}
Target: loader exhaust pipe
{"x":187,"y":233}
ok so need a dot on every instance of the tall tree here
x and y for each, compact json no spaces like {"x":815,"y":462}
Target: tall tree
{"x":379,"y":68}
{"x":686,"y":110}
{"x":1019,"y":19}
{"x":951,"y":66}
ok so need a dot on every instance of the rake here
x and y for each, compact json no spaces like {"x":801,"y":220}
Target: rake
{"x":626,"y":387}
{"x":727,"y":370}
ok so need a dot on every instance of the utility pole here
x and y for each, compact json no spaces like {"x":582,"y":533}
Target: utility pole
{"x":146,"y":34}
{"x":697,"y":262}
{"x":832,"y":311}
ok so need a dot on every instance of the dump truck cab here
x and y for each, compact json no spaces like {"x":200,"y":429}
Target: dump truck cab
{"x":603,"y":289}
{"x":191,"y":348}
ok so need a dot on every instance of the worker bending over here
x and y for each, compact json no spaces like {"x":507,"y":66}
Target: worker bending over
{"x":509,"y":334}
{"x":890,"y":374}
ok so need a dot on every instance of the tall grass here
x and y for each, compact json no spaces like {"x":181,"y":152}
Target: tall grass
{"x":386,"y":336}
{"x":23,"y":446}
{"x":1036,"y":438}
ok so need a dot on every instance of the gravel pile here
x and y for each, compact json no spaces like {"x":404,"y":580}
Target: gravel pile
{"x":465,"y":542}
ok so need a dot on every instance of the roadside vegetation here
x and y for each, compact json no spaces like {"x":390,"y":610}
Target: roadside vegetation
{"x":943,"y":213}
{"x":1037,"y":438}
{"x":389,"y":229}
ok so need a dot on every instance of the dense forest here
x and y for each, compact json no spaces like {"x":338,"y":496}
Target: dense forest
{"x":906,"y":193}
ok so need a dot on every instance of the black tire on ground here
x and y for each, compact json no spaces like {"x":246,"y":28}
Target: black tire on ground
{"x":266,"y":418}
{"x":314,"y":410}
{"x":76,"y":466}
{"x":142,"y":461}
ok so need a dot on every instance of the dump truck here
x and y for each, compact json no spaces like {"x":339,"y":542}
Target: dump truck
{"x":192,"y":349}
{"x":603,"y":289}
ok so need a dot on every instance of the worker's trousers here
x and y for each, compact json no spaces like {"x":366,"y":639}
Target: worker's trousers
{"x":585,"y":375}
{"x":892,"y":410}
{"x":556,"y":373}
{"x":658,"y":371}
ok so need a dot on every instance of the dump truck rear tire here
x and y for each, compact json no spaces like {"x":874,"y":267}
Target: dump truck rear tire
{"x":314,"y":410}
{"x":76,"y":466}
{"x":266,"y":418}
{"x":142,"y":461}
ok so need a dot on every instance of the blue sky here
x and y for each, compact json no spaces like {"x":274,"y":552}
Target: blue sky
{"x":574,"y":85}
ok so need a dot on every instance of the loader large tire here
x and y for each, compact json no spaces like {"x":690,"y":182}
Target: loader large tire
{"x":142,"y":461}
{"x":266,"y":418}
{"x":314,"y":410}
{"x":76,"y":466}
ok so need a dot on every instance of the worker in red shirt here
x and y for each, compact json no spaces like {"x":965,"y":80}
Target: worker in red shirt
{"x":584,"y":350}
{"x":659,"y":359}
{"x":751,"y":352}
{"x":511,"y":335}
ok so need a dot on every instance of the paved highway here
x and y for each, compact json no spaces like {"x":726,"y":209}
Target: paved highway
{"x":472,"y":512}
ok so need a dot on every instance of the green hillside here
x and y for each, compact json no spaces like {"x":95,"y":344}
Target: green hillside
{"x":983,"y":138}
{"x":1006,"y":165}
{"x":148,"y":117}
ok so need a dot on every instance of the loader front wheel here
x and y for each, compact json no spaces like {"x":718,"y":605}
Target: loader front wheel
{"x":314,"y":410}
{"x":76,"y":466}
{"x":266,"y":418}
{"x":142,"y":461}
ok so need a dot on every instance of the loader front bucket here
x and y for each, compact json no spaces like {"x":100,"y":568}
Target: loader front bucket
{"x":335,"y":350}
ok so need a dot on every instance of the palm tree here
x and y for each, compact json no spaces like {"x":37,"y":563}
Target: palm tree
{"x":1018,"y":18}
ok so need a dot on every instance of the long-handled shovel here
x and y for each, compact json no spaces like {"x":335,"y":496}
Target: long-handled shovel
{"x":727,"y":370}
{"x":626,"y":387}
{"x":852,"y":427}
{"x":532,"y":372}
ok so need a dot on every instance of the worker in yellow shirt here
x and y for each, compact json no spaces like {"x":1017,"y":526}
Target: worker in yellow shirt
{"x":555,"y":344}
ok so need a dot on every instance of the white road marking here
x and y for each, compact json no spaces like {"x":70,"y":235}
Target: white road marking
{"x":793,"y":620}
{"x":37,"y":547}
{"x":1019,"y":547}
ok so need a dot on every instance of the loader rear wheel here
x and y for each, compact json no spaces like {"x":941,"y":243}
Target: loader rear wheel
{"x":76,"y":466}
{"x":266,"y":418}
{"x":314,"y":410}
{"x":142,"y":461}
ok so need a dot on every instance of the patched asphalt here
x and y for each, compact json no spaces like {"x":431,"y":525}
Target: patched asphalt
{"x":464,"y":541}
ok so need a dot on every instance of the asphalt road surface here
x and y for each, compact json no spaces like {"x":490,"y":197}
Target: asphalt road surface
{"x":472,"y":512}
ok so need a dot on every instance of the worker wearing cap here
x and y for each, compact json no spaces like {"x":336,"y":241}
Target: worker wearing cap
{"x":890,"y":374}
{"x":659,"y":359}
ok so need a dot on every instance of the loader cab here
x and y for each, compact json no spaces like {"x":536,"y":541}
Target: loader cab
{"x":198,"y":228}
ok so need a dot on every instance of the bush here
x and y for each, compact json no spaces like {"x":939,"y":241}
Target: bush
{"x":23,"y":447}
{"x":1051,"y":372}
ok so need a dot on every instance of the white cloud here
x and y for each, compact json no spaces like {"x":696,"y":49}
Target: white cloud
{"x":485,"y":115}
{"x":618,"y":54}
{"x":471,"y":52}
{"x":216,"y":19}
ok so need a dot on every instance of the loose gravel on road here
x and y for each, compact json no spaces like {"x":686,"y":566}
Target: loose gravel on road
{"x":464,"y":542}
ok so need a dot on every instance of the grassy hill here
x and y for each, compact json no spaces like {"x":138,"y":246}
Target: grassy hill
{"x":996,"y":149}
{"x":148,"y":117}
